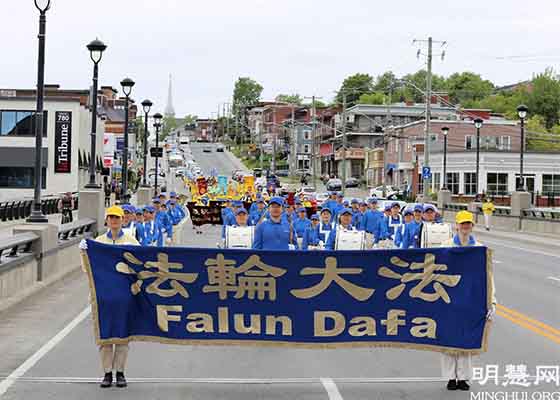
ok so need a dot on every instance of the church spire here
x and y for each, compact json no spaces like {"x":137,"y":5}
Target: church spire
{"x":169,"y":110}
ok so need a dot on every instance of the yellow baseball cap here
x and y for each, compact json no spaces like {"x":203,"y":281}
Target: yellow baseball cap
{"x":464,"y":216}
{"x":114,"y":210}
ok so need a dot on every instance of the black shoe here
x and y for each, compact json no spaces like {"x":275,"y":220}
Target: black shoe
{"x":107,"y":380}
{"x":463,"y":385}
{"x":452,"y":384}
{"x":121,"y":380}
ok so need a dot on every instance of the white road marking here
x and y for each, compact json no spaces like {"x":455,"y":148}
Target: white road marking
{"x":331,"y":389}
{"x":498,"y":261}
{"x":522,"y":249}
{"x":553,"y":278}
{"x":31,"y":361}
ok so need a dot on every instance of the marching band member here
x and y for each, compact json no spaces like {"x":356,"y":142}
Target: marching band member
{"x":399,"y":232}
{"x":179,"y":207}
{"x":411,"y":236}
{"x":457,"y":368}
{"x":311,"y":240}
{"x":163,"y":219}
{"x":387,"y":209}
{"x":153,"y":235}
{"x":139,"y":225}
{"x":358,"y":218}
{"x":341,"y":232}
{"x":259,"y":214}
{"x":113,"y":356}
{"x":240,"y":235}
{"x":326,"y":226}
{"x":394,"y":220}
{"x":275,"y":233}
{"x":331,"y":204}
{"x":129,"y":225}
{"x":301,"y":224}
{"x":174,"y":212}
{"x":254,"y":205}
{"x":374,"y":223}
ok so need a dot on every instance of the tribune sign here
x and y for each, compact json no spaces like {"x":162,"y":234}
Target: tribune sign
{"x":63,"y":142}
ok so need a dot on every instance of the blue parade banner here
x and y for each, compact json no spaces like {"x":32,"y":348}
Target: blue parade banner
{"x":428,"y":299}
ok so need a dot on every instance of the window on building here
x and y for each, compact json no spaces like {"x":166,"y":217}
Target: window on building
{"x":306,"y":135}
{"x":306,"y":149}
{"x":496,"y":184}
{"x":20,"y":177}
{"x":551,"y":184}
{"x":489,"y":142}
{"x":436,"y":179}
{"x":470,"y":183}
{"x":306,"y":164}
{"x":470,"y":142}
{"x":453,"y":182}
{"x":504,"y":143}
{"x":20,"y":123}
{"x":420,"y":183}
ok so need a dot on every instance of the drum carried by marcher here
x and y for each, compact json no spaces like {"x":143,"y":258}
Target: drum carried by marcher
{"x":239,"y":237}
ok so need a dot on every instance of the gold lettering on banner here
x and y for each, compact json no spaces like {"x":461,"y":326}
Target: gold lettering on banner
{"x":320,"y":322}
{"x":362,"y":326}
{"x":256,"y":279}
{"x":393,"y":322}
{"x":223,"y":320}
{"x":272,"y":322}
{"x":163,"y":316}
{"x":426,"y":278}
{"x":200,"y":323}
{"x":239,"y":323}
{"x":331,"y":273}
{"x":163,"y":275}
{"x":426,"y":327}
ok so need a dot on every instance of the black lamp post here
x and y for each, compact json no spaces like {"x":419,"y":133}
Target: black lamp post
{"x":96,"y":49}
{"x":157,"y":124}
{"x":126,"y":85}
{"x":522,"y":112}
{"x":478,"y":124}
{"x":445,"y":131}
{"x":146,"y":105}
{"x":36,"y":212}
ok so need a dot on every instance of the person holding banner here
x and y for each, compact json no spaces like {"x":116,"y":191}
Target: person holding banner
{"x":345,"y":236}
{"x":275,"y":233}
{"x":311,"y":240}
{"x":454,"y":367}
{"x":113,"y":356}
{"x":301,"y":224}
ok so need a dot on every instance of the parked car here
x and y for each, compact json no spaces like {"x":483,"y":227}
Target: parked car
{"x":282,"y":172}
{"x":352,"y":182}
{"x":220,"y":148}
{"x":207,"y":149}
{"x":334,"y":185}
{"x":390,"y":192}
{"x":307,"y":190}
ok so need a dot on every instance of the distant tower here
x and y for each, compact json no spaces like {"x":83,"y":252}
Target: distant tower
{"x":169,"y":110}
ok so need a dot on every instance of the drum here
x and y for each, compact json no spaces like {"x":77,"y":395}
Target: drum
{"x":433,"y":235}
{"x":239,"y":237}
{"x":349,"y":240}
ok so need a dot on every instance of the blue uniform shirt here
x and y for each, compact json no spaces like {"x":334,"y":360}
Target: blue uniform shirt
{"x":374,"y":223}
{"x":392,"y":224}
{"x":311,"y":237}
{"x":411,"y":235}
{"x":332,"y":237}
{"x":300,"y":225}
{"x":324,"y":230}
{"x":270,"y":235}
{"x":152,"y":234}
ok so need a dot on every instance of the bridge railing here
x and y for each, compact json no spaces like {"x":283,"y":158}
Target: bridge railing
{"x":15,"y":210}
{"x":16,"y":246}
{"x":76,"y":230}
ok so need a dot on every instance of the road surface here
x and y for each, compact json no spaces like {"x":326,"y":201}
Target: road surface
{"x":49,"y":336}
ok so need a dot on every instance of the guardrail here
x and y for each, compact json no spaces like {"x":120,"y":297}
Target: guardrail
{"x":535,"y":213}
{"x":16,"y":245}
{"x":76,"y":229}
{"x":20,"y":209}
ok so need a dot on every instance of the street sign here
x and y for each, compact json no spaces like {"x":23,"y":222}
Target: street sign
{"x":426,"y":173}
{"x":156,"y":152}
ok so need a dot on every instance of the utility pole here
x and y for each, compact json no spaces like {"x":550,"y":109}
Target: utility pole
{"x":314,"y":149}
{"x":427,"y":139}
{"x":388,"y":125}
{"x":293,"y":143}
{"x":227,"y":122}
{"x":344,"y":144}
{"x":274,"y":138}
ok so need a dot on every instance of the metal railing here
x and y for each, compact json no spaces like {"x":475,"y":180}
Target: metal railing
{"x":21,"y":209}
{"x":533,"y":213}
{"x":17,"y":245}
{"x":76,"y":229}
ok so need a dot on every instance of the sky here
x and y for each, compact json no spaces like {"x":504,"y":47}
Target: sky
{"x":290,"y":46}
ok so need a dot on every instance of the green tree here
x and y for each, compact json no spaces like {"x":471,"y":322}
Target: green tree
{"x":544,"y":97}
{"x":385,"y":81}
{"x":354,"y":86}
{"x":169,"y":125}
{"x":468,"y":86}
{"x":372,"y":98}
{"x":289,"y":98}
{"x":247,"y":92}
{"x":415,"y":86}
{"x":318,"y":104}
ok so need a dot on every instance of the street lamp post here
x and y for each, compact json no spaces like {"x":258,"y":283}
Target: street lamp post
{"x":445,"y":131}
{"x":478,"y":124}
{"x":522,"y":113}
{"x":96,"y":49}
{"x":37,"y":213}
{"x":126,"y":85}
{"x":157,"y":124}
{"x":146,"y":105}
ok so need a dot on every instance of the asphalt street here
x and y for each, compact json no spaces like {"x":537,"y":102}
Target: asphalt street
{"x":47,"y":341}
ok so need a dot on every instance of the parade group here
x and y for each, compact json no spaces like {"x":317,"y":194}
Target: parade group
{"x":272,"y":222}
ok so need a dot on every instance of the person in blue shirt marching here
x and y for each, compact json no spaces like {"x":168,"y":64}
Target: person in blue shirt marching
{"x":311,"y":236}
{"x":153,"y":235}
{"x":226,"y":210}
{"x":178,"y":207}
{"x":399,"y":231}
{"x":174,"y":213}
{"x":413,"y":230}
{"x":326,"y":225}
{"x":345,"y":222}
{"x":358,"y":218}
{"x":394,"y":220}
{"x":301,"y":224}
{"x":275,"y":233}
{"x":229,"y":219}
{"x":139,"y":225}
{"x":258,"y":215}
{"x":374,"y":222}
{"x":254,"y":205}
{"x":331,"y":204}
{"x":162,"y":218}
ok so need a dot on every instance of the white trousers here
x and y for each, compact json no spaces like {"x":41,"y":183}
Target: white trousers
{"x":456,"y":366}
{"x":487,"y":218}
{"x":113,"y":357}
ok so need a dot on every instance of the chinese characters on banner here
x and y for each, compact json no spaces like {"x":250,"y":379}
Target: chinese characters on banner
{"x":431,"y":299}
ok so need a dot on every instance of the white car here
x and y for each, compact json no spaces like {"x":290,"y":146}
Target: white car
{"x":321,"y":198}
{"x":307,"y":190}
{"x":389,"y":192}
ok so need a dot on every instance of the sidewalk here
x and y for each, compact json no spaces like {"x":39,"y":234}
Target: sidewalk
{"x":520,"y":236}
